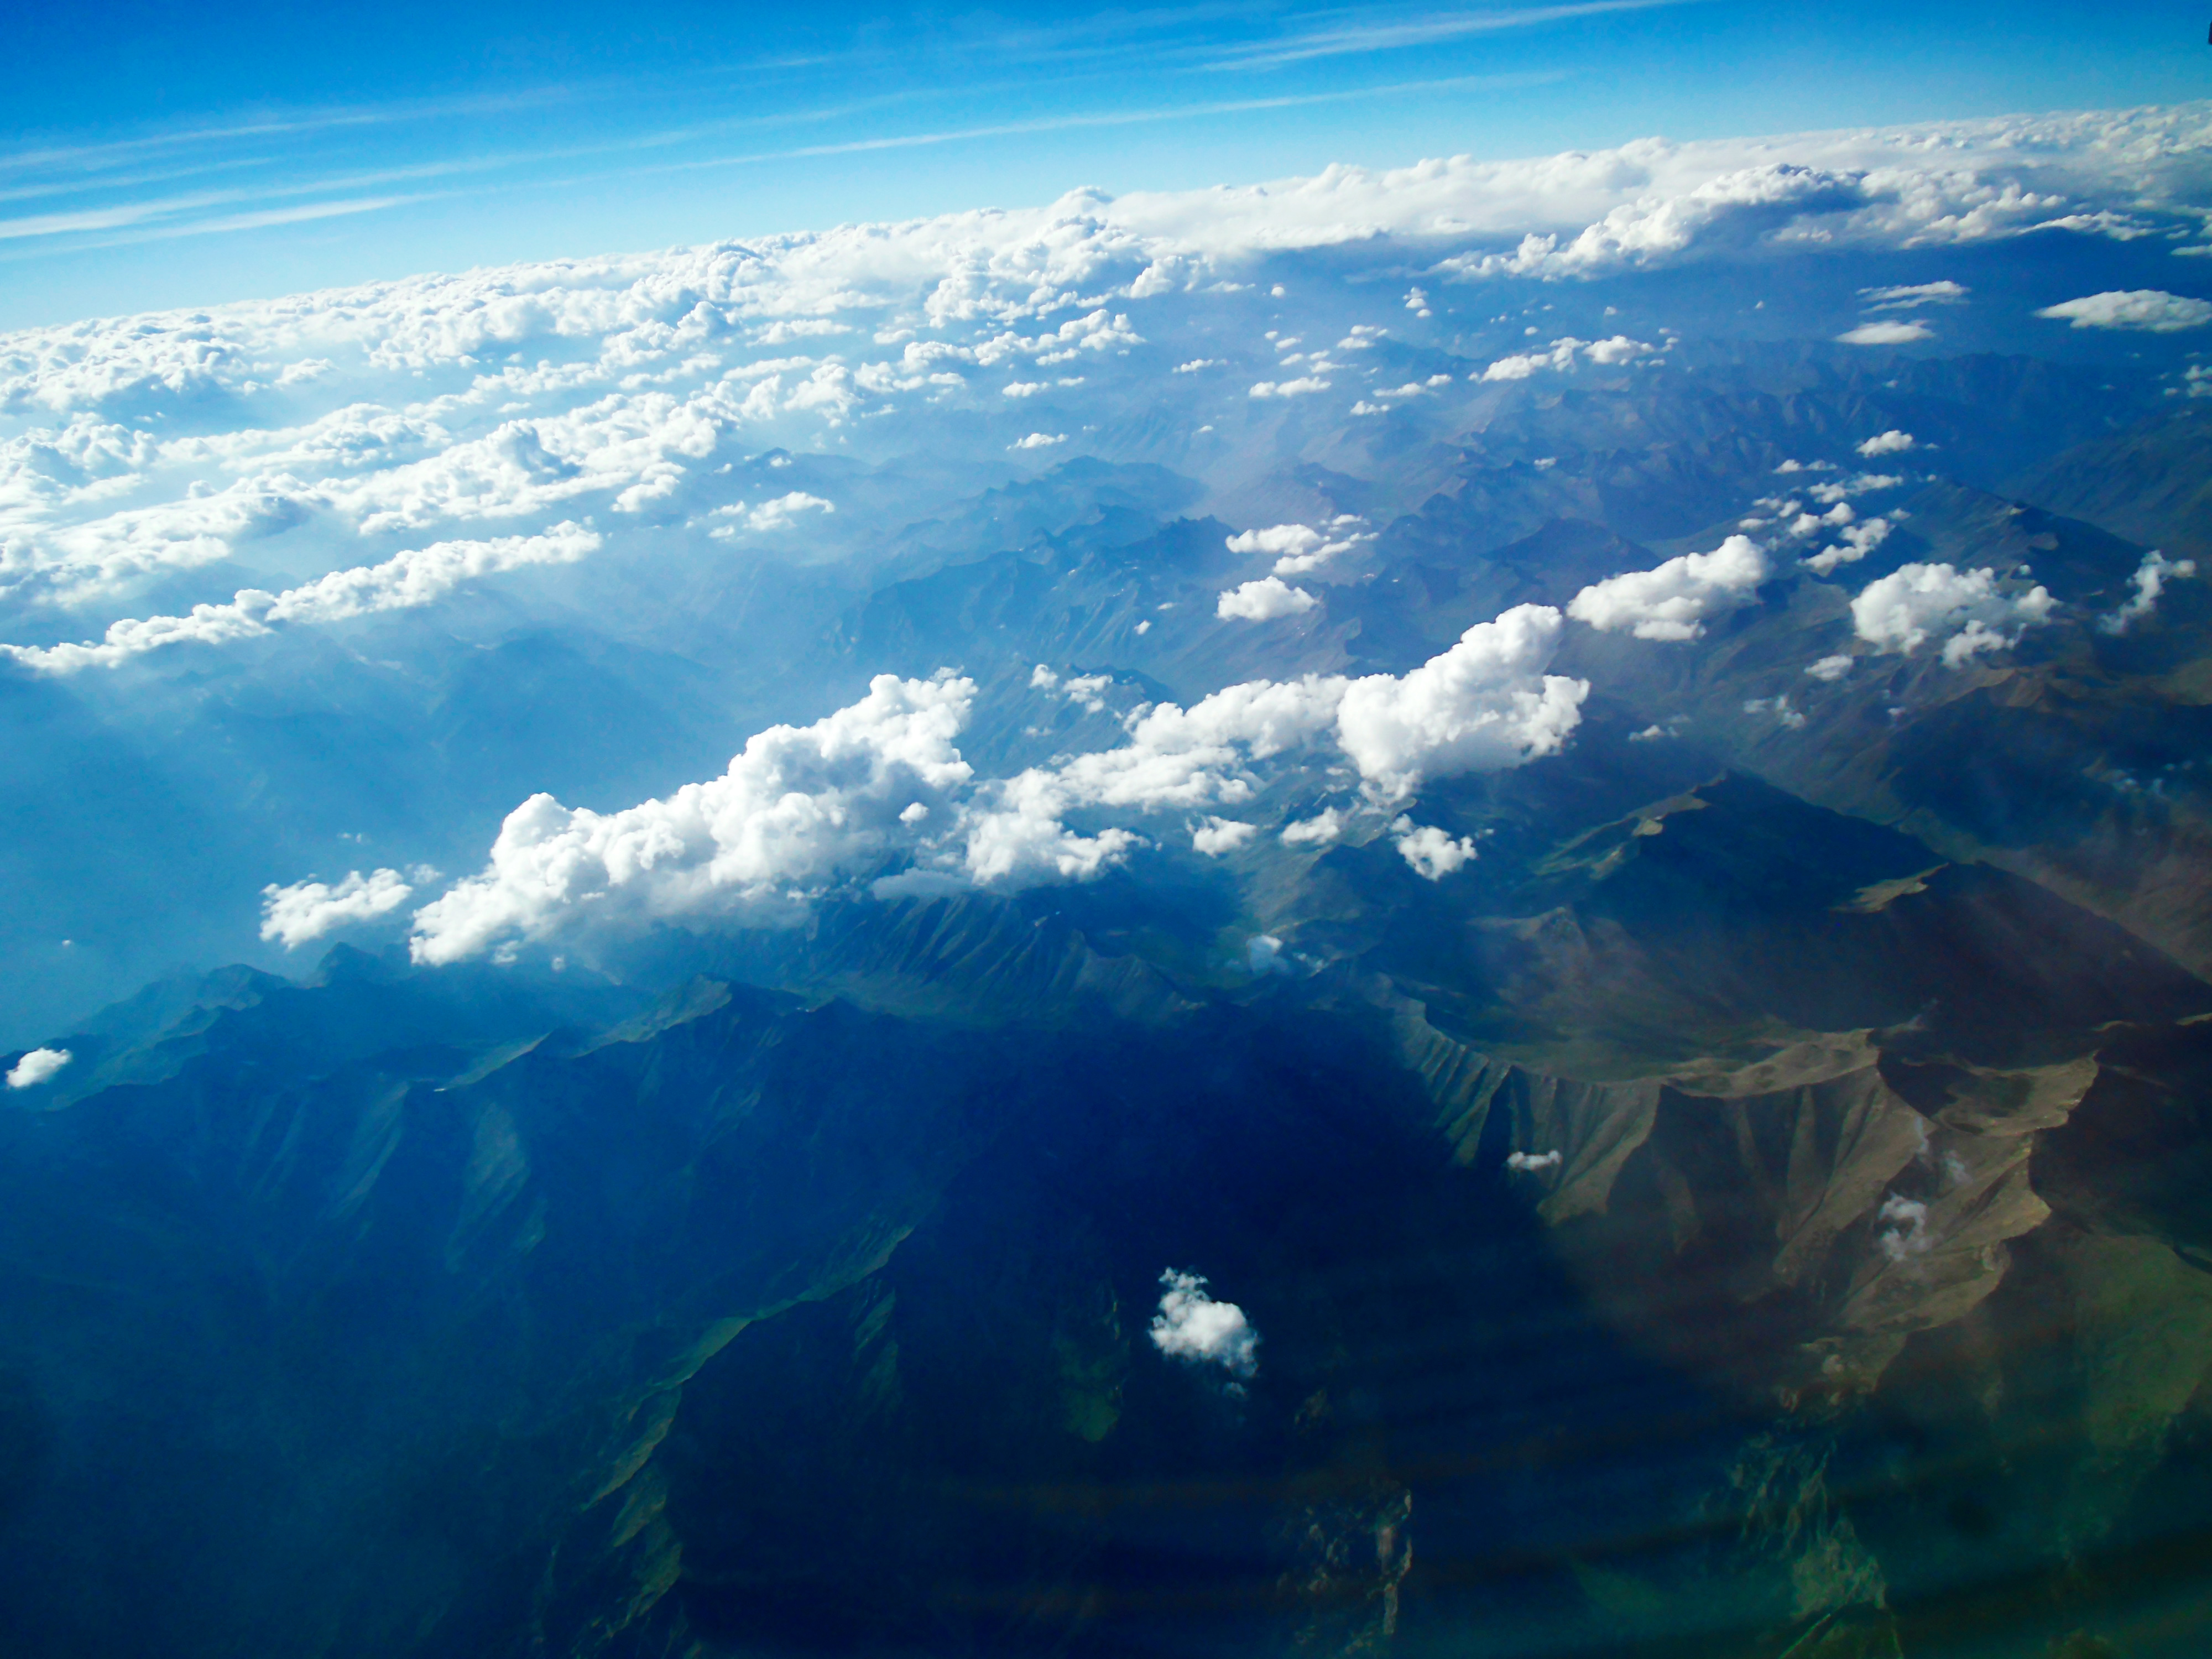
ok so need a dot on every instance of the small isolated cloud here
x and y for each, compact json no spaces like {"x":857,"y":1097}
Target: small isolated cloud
{"x":1524,"y":1162}
{"x":1304,"y":385}
{"x":1279,"y":538}
{"x":1910,"y":296}
{"x":1918,"y":604}
{"x":1904,"y":1232}
{"x":1264,"y":600}
{"x":778,"y":514}
{"x":1892,"y":442}
{"x":1024,"y":388}
{"x":306,"y":910}
{"x":36,"y":1067}
{"x":1886,"y":332}
{"x":1858,"y":540}
{"x":1197,"y":363}
{"x":1040,"y":440}
{"x":2149,"y":581}
{"x":1316,"y":831}
{"x":2150,"y":310}
{"x":1191,"y":1326}
{"x":1432,"y":854}
{"x":1298,"y":548}
{"x":1829,"y":669}
{"x":1672,"y":601}
{"x":1779,"y":707}
{"x":1561,"y":357}
{"x":1219,"y":835}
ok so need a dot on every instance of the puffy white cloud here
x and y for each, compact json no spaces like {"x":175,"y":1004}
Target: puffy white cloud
{"x":1892,"y":442}
{"x":1219,"y":835}
{"x":1276,"y":539}
{"x":1672,"y":601}
{"x":1918,"y":604}
{"x":1433,"y":854}
{"x":1831,"y":669}
{"x":1564,"y":354}
{"x":1299,"y":548}
{"x":1087,"y":691}
{"x":1886,"y":332}
{"x":417,"y":577}
{"x":1858,"y":540}
{"x":1736,"y":209}
{"x":1526,"y":1163}
{"x":779,"y":513}
{"x":306,"y":910}
{"x":1485,"y":705}
{"x":36,"y":1067}
{"x":801,"y":806}
{"x":1264,"y":600}
{"x":2149,"y":583}
{"x":2148,"y":309}
{"x":1304,"y":385}
{"x":1316,"y":831}
{"x":1039,"y":441}
{"x":1192,"y":1326}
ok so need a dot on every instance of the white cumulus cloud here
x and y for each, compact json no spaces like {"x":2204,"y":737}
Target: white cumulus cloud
{"x":1892,"y":442}
{"x":798,"y":807}
{"x":1672,"y":601}
{"x":306,"y":910}
{"x":2149,"y":583}
{"x":1485,"y":705}
{"x":1218,"y":835}
{"x":1192,"y":1326}
{"x":1433,"y":854}
{"x":1919,"y":604}
{"x":1264,"y":600}
{"x":1316,"y":831}
{"x":36,"y":1067}
{"x":1304,"y":386}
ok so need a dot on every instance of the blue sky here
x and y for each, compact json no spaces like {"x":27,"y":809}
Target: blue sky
{"x":159,"y":156}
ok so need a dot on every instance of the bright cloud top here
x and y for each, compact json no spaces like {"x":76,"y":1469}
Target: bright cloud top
{"x":292,"y":916}
{"x":1918,"y":605}
{"x":1264,"y":600}
{"x":1672,"y":601}
{"x":2149,"y":310}
{"x":880,"y":786}
{"x":2149,"y":583}
{"x":37,"y":1066}
{"x":1191,"y":1326}
{"x":1888,"y":332}
{"x":797,"y":807}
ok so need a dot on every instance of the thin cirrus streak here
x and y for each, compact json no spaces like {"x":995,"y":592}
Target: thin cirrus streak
{"x":261,"y":220}
{"x":91,"y":220}
{"x":1422,"y":32}
{"x":1119,"y":117}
